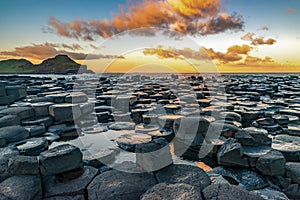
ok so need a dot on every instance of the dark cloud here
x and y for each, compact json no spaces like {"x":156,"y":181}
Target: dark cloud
{"x":264,"y":28}
{"x":191,"y":17}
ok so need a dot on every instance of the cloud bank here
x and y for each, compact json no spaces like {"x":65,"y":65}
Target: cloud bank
{"x":44,"y":51}
{"x":189,"y":17}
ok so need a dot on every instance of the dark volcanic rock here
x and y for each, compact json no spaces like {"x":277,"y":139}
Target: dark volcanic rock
{"x":21,"y":112}
{"x":116,"y":185}
{"x":55,"y":187}
{"x":65,"y":112}
{"x":22,"y":187}
{"x":129,"y":141}
{"x":60,"y":159}
{"x":228,"y":192}
{"x":154,"y":155}
{"x":9,"y":120}
{"x":184,"y":174}
{"x":23,"y":165}
{"x":292,"y":171}
{"x":243,"y":177}
{"x":289,"y":146}
{"x":271,"y":164}
{"x":177,"y":191}
{"x":13,"y":133}
{"x":230,"y":154}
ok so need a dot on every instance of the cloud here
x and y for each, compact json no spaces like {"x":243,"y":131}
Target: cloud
{"x":234,"y":53}
{"x":235,"y":56}
{"x":44,"y":51}
{"x":264,"y":28}
{"x":258,"y":40}
{"x":174,"y":53}
{"x":248,"y":36}
{"x":290,"y":10}
{"x":262,"y":41}
{"x":191,"y":17}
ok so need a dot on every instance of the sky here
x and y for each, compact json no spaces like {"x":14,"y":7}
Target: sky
{"x":155,"y":35}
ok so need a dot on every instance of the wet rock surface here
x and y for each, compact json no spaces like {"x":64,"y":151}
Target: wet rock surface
{"x":189,"y":137}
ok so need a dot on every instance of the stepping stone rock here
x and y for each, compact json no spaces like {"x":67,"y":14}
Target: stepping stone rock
{"x":22,"y":187}
{"x":13,"y":133}
{"x":45,"y":121}
{"x":228,"y":192}
{"x":55,"y":187}
{"x":294,"y":130}
{"x":255,"y":152}
{"x":122,"y":126}
{"x":65,"y":112}
{"x":230,"y":154}
{"x":260,"y":136}
{"x":188,"y":174}
{"x":5,"y":154}
{"x":21,"y":112}
{"x":243,"y":177}
{"x":270,"y":194}
{"x":23,"y":165}
{"x":36,"y":130}
{"x":7,"y":100}
{"x":154,"y":155}
{"x":56,"y":98}
{"x":128,"y":141}
{"x":271,"y":164}
{"x":105,"y":157}
{"x":32,"y":146}
{"x":41,"y":109}
{"x":76,"y":97}
{"x":60,"y":159}
{"x":292,"y":171}
{"x":9,"y":120}
{"x":18,"y":92}
{"x":166,"y":191}
{"x":117,"y":185}
{"x":289,"y":146}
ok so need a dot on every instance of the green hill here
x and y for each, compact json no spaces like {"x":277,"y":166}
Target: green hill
{"x":17,"y":66}
{"x":60,"y":64}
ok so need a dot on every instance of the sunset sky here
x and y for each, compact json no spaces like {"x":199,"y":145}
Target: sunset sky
{"x":156,"y":35}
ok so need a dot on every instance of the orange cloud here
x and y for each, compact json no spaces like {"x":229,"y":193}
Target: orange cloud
{"x":43,"y":51}
{"x":234,"y":53}
{"x":192,"y":17}
{"x":262,"y":41}
{"x":290,"y":10}
{"x":257,"y":40}
{"x":248,"y":36}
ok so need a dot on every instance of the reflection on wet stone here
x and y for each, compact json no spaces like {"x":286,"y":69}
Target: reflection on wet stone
{"x":100,"y":137}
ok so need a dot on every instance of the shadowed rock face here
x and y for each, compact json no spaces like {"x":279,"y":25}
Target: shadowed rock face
{"x":184,"y":174}
{"x":228,"y":192}
{"x":22,"y":187}
{"x":116,"y":185}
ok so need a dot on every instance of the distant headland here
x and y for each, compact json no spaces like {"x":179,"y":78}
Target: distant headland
{"x":60,"y":64}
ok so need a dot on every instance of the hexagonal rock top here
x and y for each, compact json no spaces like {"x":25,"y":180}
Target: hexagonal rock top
{"x":60,"y":159}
